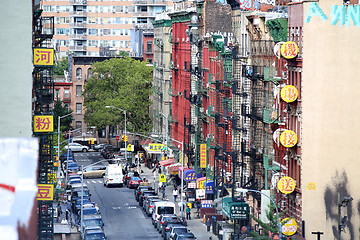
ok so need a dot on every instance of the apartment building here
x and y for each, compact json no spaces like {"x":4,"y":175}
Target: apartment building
{"x":88,"y":27}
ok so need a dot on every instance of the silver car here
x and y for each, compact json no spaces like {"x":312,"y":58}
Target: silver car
{"x":77,"y":147}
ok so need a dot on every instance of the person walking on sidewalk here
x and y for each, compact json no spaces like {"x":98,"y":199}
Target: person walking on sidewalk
{"x":188,"y":213}
{"x":59,"y":212}
{"x":208,"y":224}
{"x":175,"y":193}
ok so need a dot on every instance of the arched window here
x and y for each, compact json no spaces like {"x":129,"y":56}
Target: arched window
{"x":89,"y":73}
{"x":78,"y":73}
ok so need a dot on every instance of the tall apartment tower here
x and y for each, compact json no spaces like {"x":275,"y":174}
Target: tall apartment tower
{"x":94,"y":27}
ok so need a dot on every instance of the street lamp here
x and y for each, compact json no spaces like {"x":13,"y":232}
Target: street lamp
{"x":277,"y":211}
{"x":67,"y":157}
{"x":166,"y":130}
{"x":182,"y":176}
{"x":58,"y":155}
{"x":124,"y":111}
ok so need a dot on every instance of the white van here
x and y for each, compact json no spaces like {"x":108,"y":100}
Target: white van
{"x":113,"y":175}
{"x":162,"y":207}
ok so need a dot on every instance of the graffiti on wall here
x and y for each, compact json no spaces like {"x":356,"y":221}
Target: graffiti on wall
{"x":342,"y":14}
{"x":338,"y":185}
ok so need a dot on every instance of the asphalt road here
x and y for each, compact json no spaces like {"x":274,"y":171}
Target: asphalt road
{"x":122,"y":215}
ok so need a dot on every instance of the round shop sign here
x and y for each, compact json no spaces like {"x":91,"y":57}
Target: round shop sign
{"x":286,"y":185}
{"x":288,"y":138}
{"x":288,"y":226}
{"x":289,"y":50}
{"x":289,"y":93}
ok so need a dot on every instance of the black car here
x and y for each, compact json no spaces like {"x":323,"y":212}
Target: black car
{"x":101,"y":146}
{"x":139,"y":190}
{"x":108,"y":151}
{"x":144,"y":194}
{"x":166,"y":229}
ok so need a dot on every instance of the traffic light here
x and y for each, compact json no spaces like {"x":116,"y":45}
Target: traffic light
{"x":125,"y":138}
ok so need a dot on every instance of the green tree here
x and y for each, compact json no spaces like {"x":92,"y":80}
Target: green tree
{"x":60,"y":66}
{"x":124,"y":83}
{"x":59,"y":110}
{"x":123,"y":54}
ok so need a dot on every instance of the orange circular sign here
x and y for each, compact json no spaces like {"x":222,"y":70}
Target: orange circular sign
{"x":286,"y":185}
{"x":289,"y":93}
{"x":288,"y":226}
{"x":289,"y":50}
{"x":288,"y":138}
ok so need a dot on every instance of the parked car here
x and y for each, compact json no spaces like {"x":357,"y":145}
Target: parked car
{"x":77,"y":147}
{"x":150,"y":205}
{"x":165,"y":230}
{"x":71,"y":167}
{"x":138,"y":190}
{"x":94,"y":235}
{"x":175,"y":230}
{"x":90,"y":221}
{"x":77,"y":194}
{"x":108,"y":151}
{"x":144,"y":194}
{"x":129,"y":175}
{"x":184,"y":236}
{"x":163,"y":218}
{"x":147,"y":201}
{"x":94,"y":172}
{"x":162,"y":207}
{"x":100,"y":146}
{"x":86,"y":204}
{"x":88,"y":211}
{"x":134,"y":182}
{"x":63,"y":156}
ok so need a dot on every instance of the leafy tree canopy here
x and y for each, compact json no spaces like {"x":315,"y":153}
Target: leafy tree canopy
{"x":59,"y":110}
{"x":60,"y":66}
{"x":123,"y":54}
{"x":123,"y":83}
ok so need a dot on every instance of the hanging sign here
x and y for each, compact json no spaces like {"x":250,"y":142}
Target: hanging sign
{"x":286,"y":185}
{"x":43,"y":57}
{"x":45,"y":192}
{"x":289,"y":226}
{"x":288,"y":138}
{"x":44,"y":123}
{"x":209,"y":187}
{"x":289,"y":93}
{"x":189,"y":175}
{"x":202,"y":155}
{"x":206,"y":203}
{"x":289,"y":50}
{"x":162,"y":178}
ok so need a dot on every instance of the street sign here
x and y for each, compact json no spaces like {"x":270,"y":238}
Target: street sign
{"x":235,"y":210}
{"x":206,"y":204}
{"x":289,"y":226}
{"x":117,"y":138}
{"x":286,"y":185}
{"x":162,"y":178}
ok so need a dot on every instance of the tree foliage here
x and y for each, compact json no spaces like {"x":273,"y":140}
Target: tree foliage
{"x":59,"y":110}
{"x":60,"y":66}
{"x":124,"y":83}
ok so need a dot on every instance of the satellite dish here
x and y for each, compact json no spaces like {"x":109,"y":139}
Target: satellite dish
{"x":257,"y":5}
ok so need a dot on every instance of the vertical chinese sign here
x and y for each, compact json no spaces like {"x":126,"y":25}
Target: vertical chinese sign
{"x":43,"y":57}
{"x":43,"y":123}
{"x":289,"y":50}
{"x":289,"y":93}
{"x":45,"y":192}
{"x":202,"y":155}
{"x":286,"y":185}
{"x":288,"y":138}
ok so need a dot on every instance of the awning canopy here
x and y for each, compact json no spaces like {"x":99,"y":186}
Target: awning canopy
{"x":167,"y":162}
{"x":174,"y":167}
{"x":146,"y":142}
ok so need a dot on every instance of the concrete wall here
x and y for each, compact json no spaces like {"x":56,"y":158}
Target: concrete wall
{"x":331,"y":110}
{"x":15,"y":68}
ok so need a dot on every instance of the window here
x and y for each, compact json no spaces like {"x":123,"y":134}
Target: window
{"x":149,"y":46}
{"x":78,"y":125}
{"x":78,"y":108}
{"x":66,"y":93}
{"x":78,"y":90}
{"x":57,"y":93}
{"x":78,"y":73}
{"x":93,"y":43}
{"x":89,"y":73}
{"x":106,"y":31}
{"x":93,"y":31}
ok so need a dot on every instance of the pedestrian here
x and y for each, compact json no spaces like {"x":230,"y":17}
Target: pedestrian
{"x":163,"y":191}
{"x":188,"y":213}
{"x":175,"y":193}
{"x":64,"y":221}
{"x":97,"y":208}
{"x":159,"y":170}
{"x":59,"y":212}
{"x":67,"y":214}
{"x":208,"y":224}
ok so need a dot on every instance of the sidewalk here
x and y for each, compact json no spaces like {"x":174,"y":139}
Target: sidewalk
{"x":195,"y":225}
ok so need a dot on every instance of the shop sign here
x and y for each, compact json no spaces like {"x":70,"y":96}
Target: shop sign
{"x":289,"y":93}
{"x":156,"y":147}
{"x":235,"y":210}
{"x":209,"y":187}
{"x":288,"y":138}
{"x":189,"y":175}
{"x":289,"y":50}
{"x":286,"y":185}
{"x":289,"y":226}
{"x":45,"y":192}
{"x":44,"y":123}
{"x":43,"y":57}
{"x":200,"y":193}
{"x":202,"y":155}
{"x":162,"y":178}
{"x":200,"y":184}
{"x":206,"y":204}
{"x":191,"y":185}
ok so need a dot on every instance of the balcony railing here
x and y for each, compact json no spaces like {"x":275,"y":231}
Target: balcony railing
{"x":150,"y":2}
{"x":78,"y":2}
{"x":79,"y":25}
{"x":144,"y":14}
{"x":77,"y":48}
{"x":79,"y":36}
{"x":78,"y":14}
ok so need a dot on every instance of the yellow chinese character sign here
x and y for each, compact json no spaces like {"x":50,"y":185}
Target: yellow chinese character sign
{"x":289,"y":93}
{"x":155,"y":147}
{"x":202,"y":155}
{"x":288,"y":226}
{"x":45,"y":192}
{"x":43,"y":57}
{"x":286,"y":185}
{"x":289,"y":50}
{"x":288,"y":138}
{"x":44,"y":123}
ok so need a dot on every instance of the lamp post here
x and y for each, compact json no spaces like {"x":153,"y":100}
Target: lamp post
{"x":182,"y":176}
{"x":58,"y":155}
{"x":166,"y":131}
{"x":67,"y":157}
{"x":277,"y":211}
{"x":124,"y":111}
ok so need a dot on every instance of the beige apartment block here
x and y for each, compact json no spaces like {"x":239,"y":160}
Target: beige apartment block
{"x":91,"y":27}
{"x":331,"y":110}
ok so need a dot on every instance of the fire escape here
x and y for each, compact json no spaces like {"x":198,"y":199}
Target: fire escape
{"x":43,"y":93}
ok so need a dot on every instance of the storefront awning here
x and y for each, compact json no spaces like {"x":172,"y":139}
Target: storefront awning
{"x":167,"y":162}
{"x":174,"y":167}
{"x":146,"y":142}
